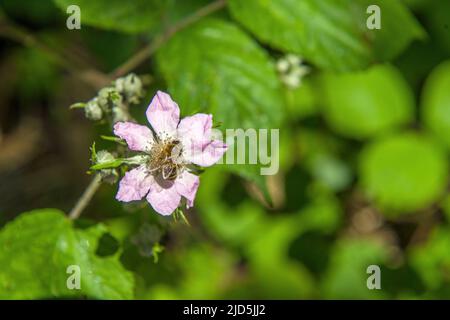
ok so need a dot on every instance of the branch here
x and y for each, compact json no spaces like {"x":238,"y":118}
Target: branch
{"x":85,"y":197}
{"x":151,"y":48}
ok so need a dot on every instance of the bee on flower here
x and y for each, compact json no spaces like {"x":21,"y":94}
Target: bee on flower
{"x":169,"y":151}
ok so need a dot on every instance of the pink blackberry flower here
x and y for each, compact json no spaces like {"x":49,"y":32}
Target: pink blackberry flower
{"x":164,"y":175}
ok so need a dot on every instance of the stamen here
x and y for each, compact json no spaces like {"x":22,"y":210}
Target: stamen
{"x":164,"y":159}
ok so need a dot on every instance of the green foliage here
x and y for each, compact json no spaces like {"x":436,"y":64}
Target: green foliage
{"x":135,"y":16}
{"x":38,"y":11}
{"x":346,"y":278}
{"x":39,"y":246}
{"x":432,"y":259}
{"x":110,"y":164}
{"x":322,"y":157}
{"x":363,"y":176}
{"x":331,"y":34}
{"x":436,"y":102}
{"x":301,"y":102}
{"x":367,"y":103}
{"x":437,"y":15}
{"x":403,"y":172}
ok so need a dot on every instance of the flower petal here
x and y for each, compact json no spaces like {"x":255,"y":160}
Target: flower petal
{"x":195,"y":129}
{"x":163,"y":114}
{"x":164,"y":198}
{"x":134,"y":185}
{"x":187,"y":185}
{"x":205,"y":154}
{"x":138,"y":138}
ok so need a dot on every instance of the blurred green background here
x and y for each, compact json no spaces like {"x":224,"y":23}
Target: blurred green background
{"x":364,"y":150}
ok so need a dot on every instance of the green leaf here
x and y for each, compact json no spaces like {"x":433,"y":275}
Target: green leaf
{"x":403,"y":173}
{"x":39,"y":246}
{"x":131,"y":16}
{"x":364,"y":104}
{"x":38,"y":12}
{"x":78,"y":105}
{"x":431,"y":259}
{"x":224,"y":72}
{"x":437,"y":16}
{"x":330,"y":33}
{"x":113,"y":139}
{"x":230,"y":224}
{"x":93,"y":153}
{"x":346,"y":277}
{"x":106,"y":165}
{"x":436,"y":102}
{"x":330,"y":171}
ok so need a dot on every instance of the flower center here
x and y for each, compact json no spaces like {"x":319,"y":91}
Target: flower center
{"x":165,"y":159}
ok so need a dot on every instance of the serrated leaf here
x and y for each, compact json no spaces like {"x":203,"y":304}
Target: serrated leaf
{"x":224,"y":72}
{"x":38,"y":246}
{"x":131,"y":16}
{"x":330,"y":33}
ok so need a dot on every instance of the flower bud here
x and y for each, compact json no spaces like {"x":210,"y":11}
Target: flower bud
{"x":292,"y":70}
{"x":131,"y":87}
{"x":108,"y":98}
{"x":93,"y":111}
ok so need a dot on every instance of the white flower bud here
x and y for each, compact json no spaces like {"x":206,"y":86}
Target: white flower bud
{"x":108,"y":98}
{"x":282,"y":65}
{"x":131,"y":87}
{"x":291,"y":70}
{"x":92,"y":110}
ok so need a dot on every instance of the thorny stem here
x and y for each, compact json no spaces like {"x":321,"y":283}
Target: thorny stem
{"x":151,"y":48}
{"x":85,"y":197}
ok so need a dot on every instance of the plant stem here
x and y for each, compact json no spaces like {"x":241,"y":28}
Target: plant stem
{"x":151,"y":48}
{"x":85,"y":197}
